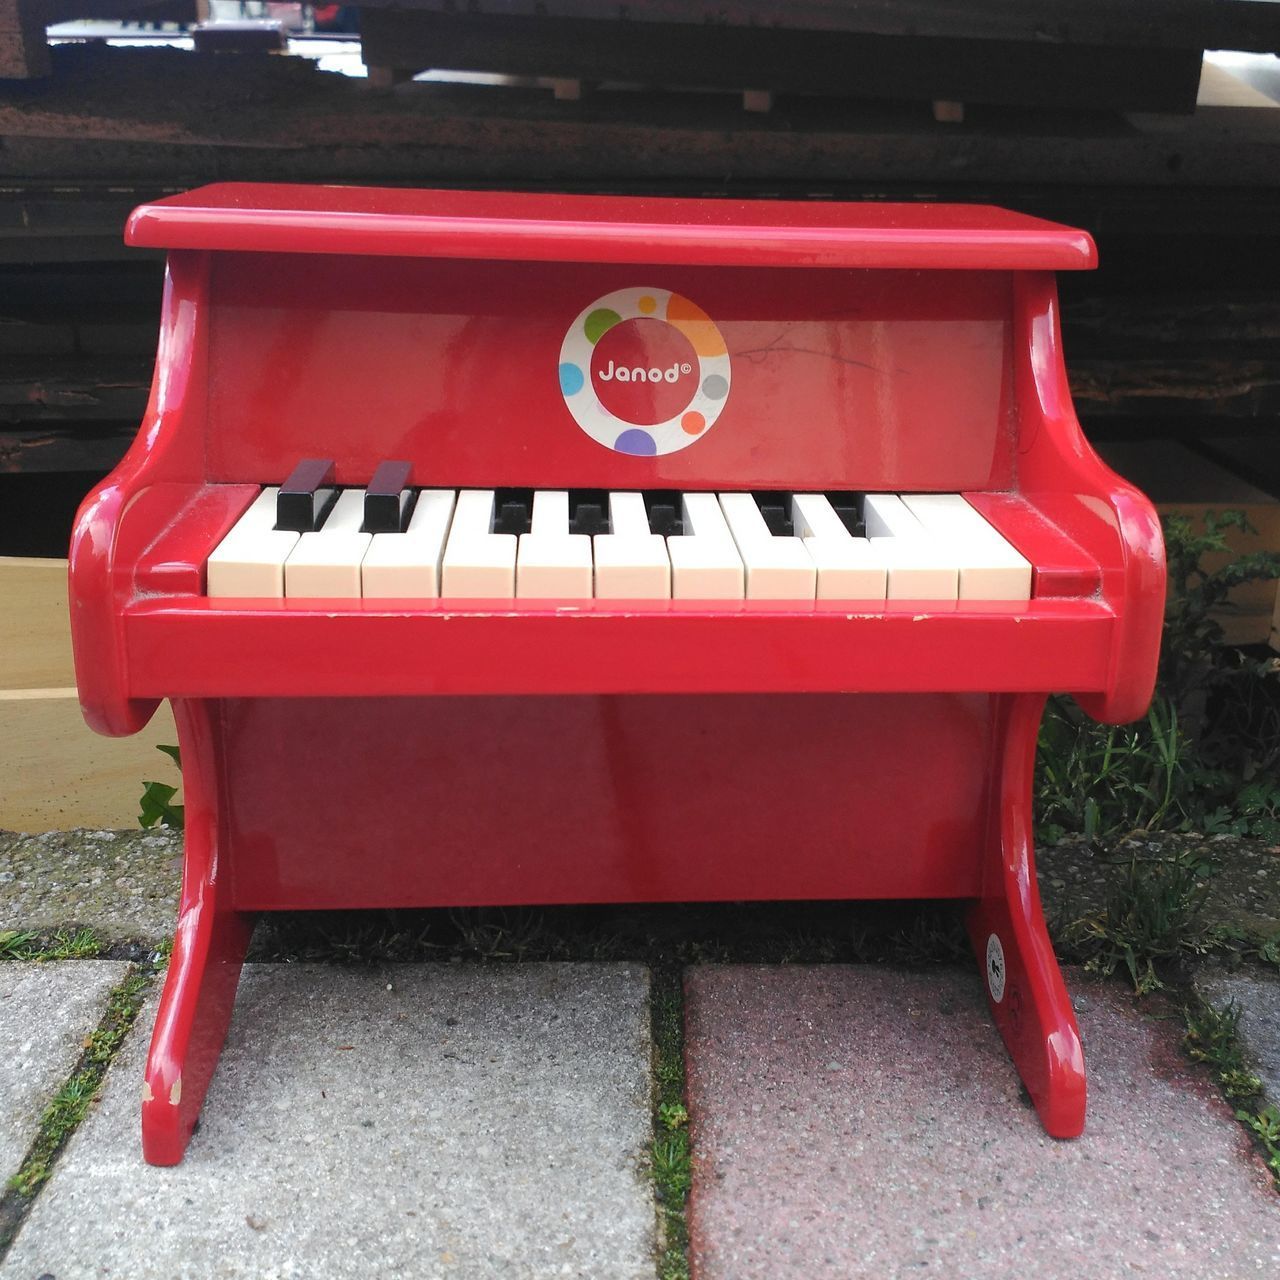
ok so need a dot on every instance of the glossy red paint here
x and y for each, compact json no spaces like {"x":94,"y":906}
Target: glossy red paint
{"x":605,"y":751}
{"x":499,"y":225}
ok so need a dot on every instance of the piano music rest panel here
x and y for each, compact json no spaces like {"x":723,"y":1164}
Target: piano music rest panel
{"x":624,"y":549}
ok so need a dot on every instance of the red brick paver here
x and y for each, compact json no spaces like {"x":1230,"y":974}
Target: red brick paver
{"x":853,"y":1121}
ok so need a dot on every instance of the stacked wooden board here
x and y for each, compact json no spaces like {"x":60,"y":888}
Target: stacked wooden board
{"x":55,"y":773}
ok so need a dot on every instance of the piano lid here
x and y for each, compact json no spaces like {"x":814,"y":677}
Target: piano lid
{"x":285,"y":218}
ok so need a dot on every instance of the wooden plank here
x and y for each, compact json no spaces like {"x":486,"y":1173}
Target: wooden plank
{"x":1175,"y":385}
{"x":35,"y":633}
{"x":23,"y":51}
{"x":47,"y":386}
{"x":1220,"y":24}
{"x":789,"y":60}
{"x":137,"y":115}
{"x":59,"y":774}
{"x":97,"y":446}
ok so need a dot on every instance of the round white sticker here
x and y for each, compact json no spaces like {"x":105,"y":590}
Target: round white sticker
{"x":644,"y":371}
{"x":995,"y":968}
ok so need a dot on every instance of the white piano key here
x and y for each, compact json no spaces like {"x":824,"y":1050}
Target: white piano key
{"x":705,"y":564}
{"x":326,"y":563}
{"x":885,"y":515}
{"x":919,"y":565}
{"x":407,"y":565}
{"x":849,"y":568}
{"x":477,"y":563}
{"x":631,"y":563}
{"x":776,"y":568}
{"x":917,"y":568}
{"x":551,"y":562}
{"x":990,"y":568}
{"x":249,"y":561}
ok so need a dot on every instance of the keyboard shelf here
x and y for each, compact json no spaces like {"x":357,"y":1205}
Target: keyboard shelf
{"x":197,"y":648}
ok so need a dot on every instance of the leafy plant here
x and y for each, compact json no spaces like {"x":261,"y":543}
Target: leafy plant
{"x":1265,"y":1126}
{"x":156,"y":803}
{"x":1211,"y":1038}
{"x":1207,"y":756}
{"x":1101,"y":780}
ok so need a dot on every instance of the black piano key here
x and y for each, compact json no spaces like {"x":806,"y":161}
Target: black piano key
{"x":512,"y":510}
{"x":386,"y":499}
{"x":589,"y":511}
{"x":848,"y":506}
{"x":666,"y":515}
{"x":306,"y":496}
{"x":775,"y":507}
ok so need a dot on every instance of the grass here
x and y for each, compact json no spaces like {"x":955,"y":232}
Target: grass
{"x":1152,"y":916}
{"x":63,"y":944}
{"x":670,"y":1160}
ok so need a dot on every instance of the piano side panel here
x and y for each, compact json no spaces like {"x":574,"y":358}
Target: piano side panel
{"x":452,"y":801}
{"x":839,"y":379}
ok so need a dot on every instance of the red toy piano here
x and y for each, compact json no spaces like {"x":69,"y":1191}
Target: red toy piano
{"x":502,"y":548}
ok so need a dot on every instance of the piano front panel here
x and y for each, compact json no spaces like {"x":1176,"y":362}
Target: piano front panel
{"x":870,"y":380}
{"x":488,"y":800}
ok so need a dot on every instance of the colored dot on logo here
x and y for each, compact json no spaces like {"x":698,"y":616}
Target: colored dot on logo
{"x":598,"y":323}
{"x":693,"y":422}
{"x":571,"y":379}
{"x":647,"y":304}
{"x":636,"y":442}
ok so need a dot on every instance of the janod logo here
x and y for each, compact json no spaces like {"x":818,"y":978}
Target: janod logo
{"x":644,"y":371}
{"x":640,"y":373}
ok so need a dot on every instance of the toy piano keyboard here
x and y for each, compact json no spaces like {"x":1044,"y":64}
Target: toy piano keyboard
{"x":667,"y":534}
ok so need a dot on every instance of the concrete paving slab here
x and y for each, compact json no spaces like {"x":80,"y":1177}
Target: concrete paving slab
{"x":121,"y":884}
{"x":418,"y":1121}
{"x":46,"y":1010}
{"x":1256,"y":994}
{"x":851,"y":1121}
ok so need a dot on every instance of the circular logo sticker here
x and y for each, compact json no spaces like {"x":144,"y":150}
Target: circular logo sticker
{"x":644,"y":371}
{"x":996,"y":973}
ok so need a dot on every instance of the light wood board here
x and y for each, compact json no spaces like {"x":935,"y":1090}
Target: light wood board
{"x":35,"y":632}
{"x":56,"y":773}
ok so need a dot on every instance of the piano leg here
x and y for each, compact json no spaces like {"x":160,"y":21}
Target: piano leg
{"x":1006,"y":926}
{"x":208,"y":949}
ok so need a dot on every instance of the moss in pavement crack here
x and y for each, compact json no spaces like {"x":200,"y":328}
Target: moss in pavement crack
{"x":670,"y":1154}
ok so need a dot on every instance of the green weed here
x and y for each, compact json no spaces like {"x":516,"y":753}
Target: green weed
{"x":63,"y":944}
{"x":156,"y":802}
{"x":1211,"y":1038}
{"x":1151,"y":914}
{"x":1265,"y":1126}
{"x":670,"y":1162}
{"x":1207,"y":755}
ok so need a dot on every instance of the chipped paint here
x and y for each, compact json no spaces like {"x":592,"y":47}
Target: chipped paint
{"x":175,"y":1092}
{"x":147,"y":1095}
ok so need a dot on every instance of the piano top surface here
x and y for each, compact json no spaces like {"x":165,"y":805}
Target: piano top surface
{"x":287,"y":218}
